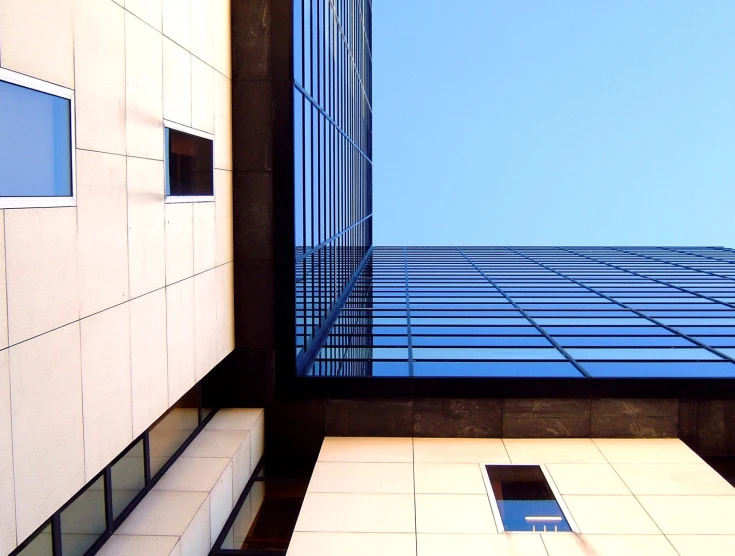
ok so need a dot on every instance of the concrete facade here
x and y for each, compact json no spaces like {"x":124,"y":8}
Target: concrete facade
{"x":113,"y":308}
{"x":426,"y":496}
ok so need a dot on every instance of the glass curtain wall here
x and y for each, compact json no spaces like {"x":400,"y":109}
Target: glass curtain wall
{"x":574,"y":313}
{"x":332,"y":64}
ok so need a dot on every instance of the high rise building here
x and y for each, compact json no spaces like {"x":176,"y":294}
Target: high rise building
{"x":202,"y":351}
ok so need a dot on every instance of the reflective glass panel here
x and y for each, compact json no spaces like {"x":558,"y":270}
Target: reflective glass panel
{"x":35,"y":142}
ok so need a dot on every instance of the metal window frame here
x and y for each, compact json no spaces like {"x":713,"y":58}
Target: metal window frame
{"x":41,"y":86}
{"x":173,"y":199}
{"x":494,"y":503}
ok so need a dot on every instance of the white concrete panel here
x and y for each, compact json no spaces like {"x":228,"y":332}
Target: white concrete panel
{"x":387,"y":478}
{"x":202,"y":30}
{"x":179,"y":242}
{"x":460,"y":450}
{"x":149,"y":11}
{"x":220,"y":504}
{"x":50,"y":59}
{"x":435,"y":544}
{"x":3,"y":287}
{"x":691,"y":515}
{"x":354,"y":544}
{"x":225,"y":310}
{"x":41,"y":259}
{"x":163,"y":513}
{"x":148,"y":359}
{"x":610,"y":515}
{"x":223,"y":216}
{"x":698,"y":545}
{"x":204,"y":236}
{"x":195,"y":540}
{"x":143,"y":88}
{"x":205,"y":323}
{"x":99,"y":75}
{"x":222,"y":122}
{"x":454,"y":513}
{"x":103,"y":231}
{"x":257,"y":442}
{"x":222,"y":40}
{"x":358,"y":513}
{"x":449,"y":478}
{"x":646,"y":450}
{"x":146,"y":226}
{"x":137,"y":545}
{"x":180,"y":338}
{"x":106,"y":387}
{"x":366,"y":449}
{"x":202,"y":96}
{"x":7,"y":487}
{"x":241,"y":467}
{"x":552,"y":450}
{"x":177,"y":21}
{"x":48,"y":448}
{"x":176,"y":83}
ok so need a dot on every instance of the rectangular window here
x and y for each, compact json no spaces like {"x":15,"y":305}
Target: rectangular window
{"x":189,"y":164}
{"x":36,"y":142}
{"x":523,"y":498}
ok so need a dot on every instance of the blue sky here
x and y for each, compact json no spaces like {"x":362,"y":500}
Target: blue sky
{"x":554,"y":122}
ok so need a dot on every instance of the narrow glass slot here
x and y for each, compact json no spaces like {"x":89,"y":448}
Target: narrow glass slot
{"x":522,"y":499}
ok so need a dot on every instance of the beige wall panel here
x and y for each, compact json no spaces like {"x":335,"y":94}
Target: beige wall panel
{"x":41,"y":259}
{"x":205,"y":322}
{"x":106,"y":387}
{"x":223,"y":216}
{"x":146,"y":226}
{"x":102,"y":216}
{"x":177,"y":21}
{"x":50,"y":59}
{"x":220,"y":504}
{"x":222,"y":122}
{"x":176,"y":83}
{"x":225,"y":310}
{"x":149,"y":11}
{"x":48,"y":447}
{"x":204,"y":236}
{"x":99,"y":72}
{"x":7,"y":488}
{"x":222,"y":47}
{"x":143,"y":89}
{"x":180,"y":338}
{"x":202,"y":30}
{"x":148,"y":359}
{"x":202,"y":96}
{"x":121,"y":2}
{"x":3,"y":287}
{"x":179,"y":242}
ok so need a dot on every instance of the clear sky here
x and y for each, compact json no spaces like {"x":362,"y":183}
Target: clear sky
{"x":554,"y":122}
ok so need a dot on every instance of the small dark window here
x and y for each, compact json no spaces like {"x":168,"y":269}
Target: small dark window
{"x":189,"y":165}
{"x":524,"y":500}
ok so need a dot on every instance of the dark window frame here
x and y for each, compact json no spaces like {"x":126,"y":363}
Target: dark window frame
{"x":179,"y":197}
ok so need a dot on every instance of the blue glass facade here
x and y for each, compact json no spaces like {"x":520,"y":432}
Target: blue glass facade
{"x":554,"y":312}
{"x":332,"y":100}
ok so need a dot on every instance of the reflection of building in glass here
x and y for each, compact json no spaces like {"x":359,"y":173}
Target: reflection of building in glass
{"x":573,"y":313}
{"x":332,"y":122}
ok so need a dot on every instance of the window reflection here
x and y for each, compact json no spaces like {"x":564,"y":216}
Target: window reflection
{"x":171,"y":431}
{"x":83,"y":522}
{"x":128,"y":478}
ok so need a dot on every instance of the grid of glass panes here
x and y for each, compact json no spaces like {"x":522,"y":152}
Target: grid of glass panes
{"x":332,"y":154}
{"x":597,"y":312}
